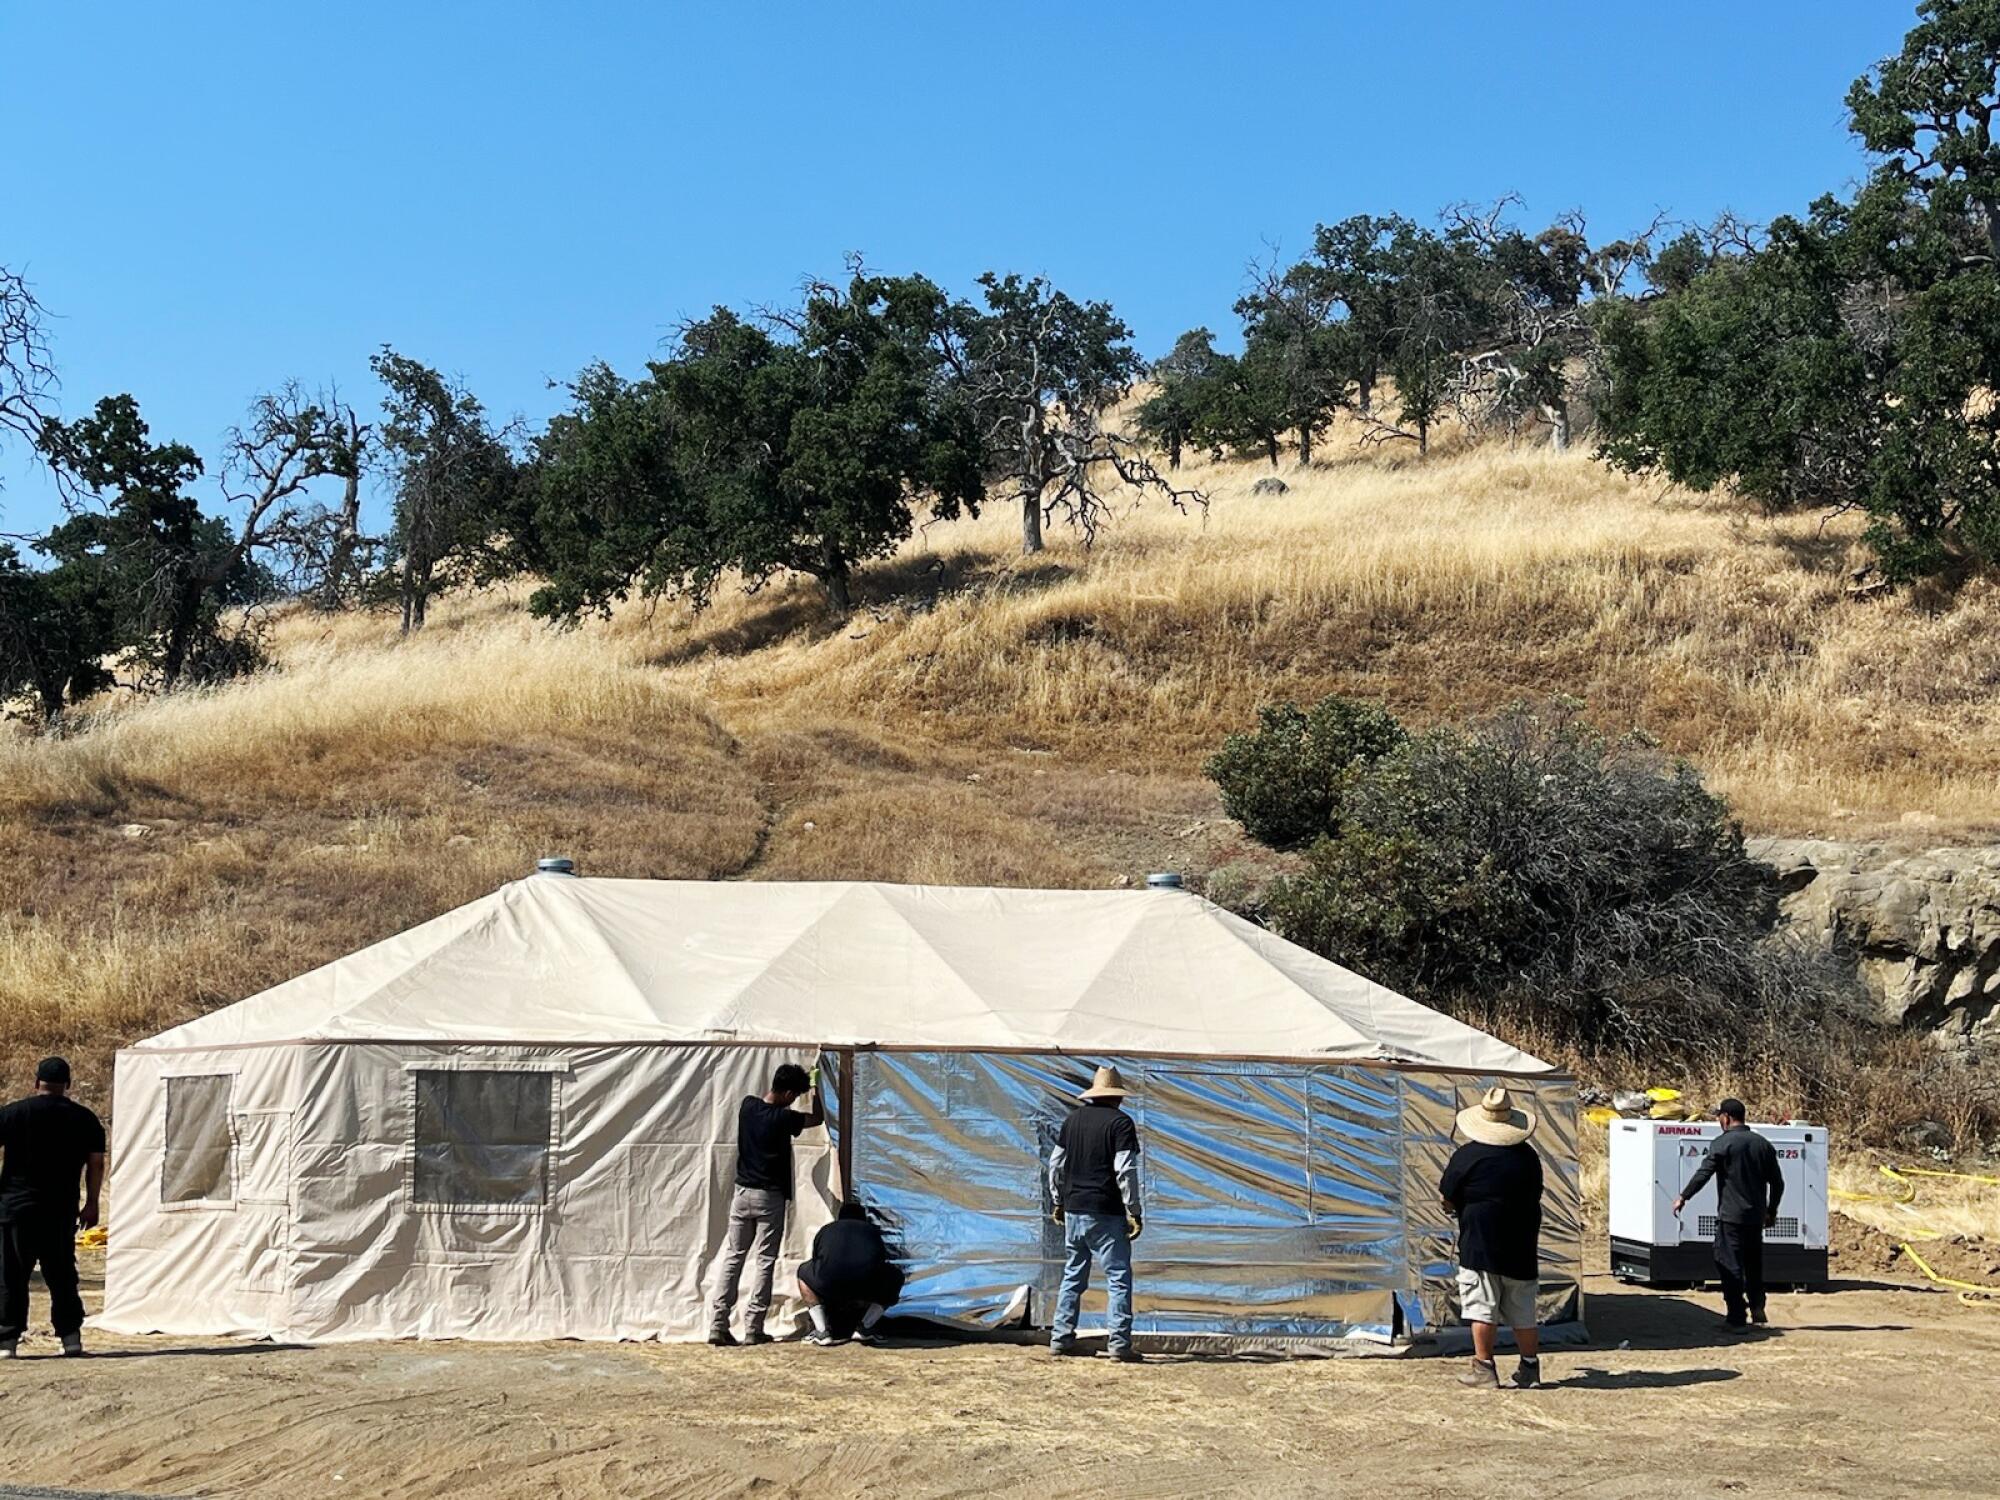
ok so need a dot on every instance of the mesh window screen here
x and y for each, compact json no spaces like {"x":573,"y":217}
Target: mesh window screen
{"x":483,"y":1137}
{"x":197,"y":1158}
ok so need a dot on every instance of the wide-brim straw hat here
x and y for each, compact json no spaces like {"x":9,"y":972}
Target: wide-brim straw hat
{"x":1106,"y":1085}
{"x":1494,"y":1121}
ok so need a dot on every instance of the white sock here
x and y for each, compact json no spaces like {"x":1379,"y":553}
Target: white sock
{"x":873,"y":1316}
{"x":818,"y":1316}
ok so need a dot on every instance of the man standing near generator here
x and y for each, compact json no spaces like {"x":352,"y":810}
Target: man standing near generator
{"x":1748,"y":1188}
{"x":52,"y":1143}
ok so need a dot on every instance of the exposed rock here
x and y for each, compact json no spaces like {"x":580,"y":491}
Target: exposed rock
{"x":135,"y":830}
{"x":1924,"y":929}
{"x":1270,"y":484}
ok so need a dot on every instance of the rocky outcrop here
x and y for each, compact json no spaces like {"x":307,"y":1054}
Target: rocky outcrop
{"x":1923,"y":929}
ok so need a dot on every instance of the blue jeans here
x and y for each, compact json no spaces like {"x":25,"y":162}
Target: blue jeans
{"x":1100,"y":1237}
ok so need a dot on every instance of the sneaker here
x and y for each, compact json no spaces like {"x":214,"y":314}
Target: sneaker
{"x":1128,"y":1356}
{"x":1483,"y":1376}
{"x":1735,"y":1325}
{"x":821,"y":1340}
{"x":758,"y":1336}
{"x":1527,"y":1374}
{"x":867,"y":1337}
{"x":72,"y":1345}
{"x":1759,"y":1316}
{"x":10,"y":1350}
{"x":722,"y":1338}
{"x":1065,"y":1351}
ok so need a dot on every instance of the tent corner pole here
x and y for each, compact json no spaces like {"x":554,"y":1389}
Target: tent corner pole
{"x":845,"y":1144}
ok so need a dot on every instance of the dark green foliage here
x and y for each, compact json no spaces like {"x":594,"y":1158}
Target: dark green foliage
{"x":811,"y":453}
{"x":1178,"y":412}
{"x":1285,"y":782}
{"x":1355,"y":266}
{"x":1849,"y":361}
{"x":167,"y":570}
{"x":1930,"y":109}
{"x":809,"y":443}
{"x":1527,"y":858}
{"x":57,"y":627}
{"x":452,"y":479}
{"x":602,"y":508}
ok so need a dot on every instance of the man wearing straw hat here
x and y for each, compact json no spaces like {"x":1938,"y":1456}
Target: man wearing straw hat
{"x":1094,"y":1190}
{"x":1494,"y":1186}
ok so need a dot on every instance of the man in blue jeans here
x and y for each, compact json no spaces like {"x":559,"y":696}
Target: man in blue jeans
{"x":1094,"y":1187}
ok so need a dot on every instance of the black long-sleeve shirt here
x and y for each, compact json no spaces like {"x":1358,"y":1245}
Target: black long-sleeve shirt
{"x":1745,"y":1168}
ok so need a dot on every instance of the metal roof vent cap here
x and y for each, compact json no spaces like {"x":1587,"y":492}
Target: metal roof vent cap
{"x":1163,"y":880}
{"x":556,"y":864}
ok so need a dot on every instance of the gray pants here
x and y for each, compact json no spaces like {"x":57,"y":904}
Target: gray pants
{"x":754,"y":1214}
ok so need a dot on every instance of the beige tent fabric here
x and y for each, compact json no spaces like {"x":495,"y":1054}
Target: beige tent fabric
{"x":320,"y":1230}
{"x":559,"y":960}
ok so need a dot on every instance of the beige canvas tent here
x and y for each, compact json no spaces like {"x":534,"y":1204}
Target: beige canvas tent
{"x":515,"y":1120}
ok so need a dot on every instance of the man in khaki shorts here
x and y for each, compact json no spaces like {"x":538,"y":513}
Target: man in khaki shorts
{"x":1493,"y":1185}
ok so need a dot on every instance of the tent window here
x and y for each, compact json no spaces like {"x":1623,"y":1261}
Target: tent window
{"x":198,"y":1155}
{"x":482,"y":1137}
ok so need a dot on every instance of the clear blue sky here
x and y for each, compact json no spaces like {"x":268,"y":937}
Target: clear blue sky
{"x":211,"y":198}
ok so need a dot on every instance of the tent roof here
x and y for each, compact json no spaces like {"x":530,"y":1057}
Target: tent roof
{"x":554,"y":959}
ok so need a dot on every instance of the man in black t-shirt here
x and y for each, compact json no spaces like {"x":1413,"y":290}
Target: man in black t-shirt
{"x":851,"y":1281}
{"x":764,"y":1131}
{"x":51,"y":1143}
{"x":1493,"y":1184}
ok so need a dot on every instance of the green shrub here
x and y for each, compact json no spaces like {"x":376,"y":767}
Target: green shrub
{"x":1525,"y":863}
{"x":1285,"y":782}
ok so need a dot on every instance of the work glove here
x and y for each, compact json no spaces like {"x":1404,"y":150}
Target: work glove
{"x":812,"y":1076}
{"x":1133,"y":1226}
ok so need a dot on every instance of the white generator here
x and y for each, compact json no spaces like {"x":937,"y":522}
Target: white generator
{"x":1651,"y":1161}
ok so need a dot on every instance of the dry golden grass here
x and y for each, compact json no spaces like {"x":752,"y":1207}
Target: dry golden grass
{"x":1919,"y":1206}
{"x":981,"y":719}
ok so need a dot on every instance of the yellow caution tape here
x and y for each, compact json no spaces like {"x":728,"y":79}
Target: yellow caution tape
{"x":1971,"y":1293}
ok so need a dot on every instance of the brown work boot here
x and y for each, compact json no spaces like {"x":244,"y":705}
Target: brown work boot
{"x":1481,"y":1377}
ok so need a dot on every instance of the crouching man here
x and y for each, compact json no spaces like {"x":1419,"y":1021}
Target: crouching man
{"x":1494,"y":1186}
{"x":850,"y":1282}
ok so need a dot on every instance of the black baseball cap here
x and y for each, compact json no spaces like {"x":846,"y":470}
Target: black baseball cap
{"x":1732,"y":1108}
{"x":52,"y":1070}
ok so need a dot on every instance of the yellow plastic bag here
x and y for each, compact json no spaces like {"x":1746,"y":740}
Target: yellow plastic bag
{"x":1671,"y":1109}
{"x":1663,"y":1096}
{"x":1599,"y":1115}
{"x":93,"y":1238}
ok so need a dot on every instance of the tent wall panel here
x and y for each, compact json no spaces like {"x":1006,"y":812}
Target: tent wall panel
{"x":640,"y":1163}
{"x":1273,"y":1190}
{"x":1431,"y":1101}
{"x":213,"y":1266}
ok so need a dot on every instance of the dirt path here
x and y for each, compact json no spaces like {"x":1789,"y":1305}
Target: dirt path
{"x":1869,"y":1391}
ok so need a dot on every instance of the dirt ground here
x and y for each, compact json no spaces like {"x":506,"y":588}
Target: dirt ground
{"x":1872,"y":1389}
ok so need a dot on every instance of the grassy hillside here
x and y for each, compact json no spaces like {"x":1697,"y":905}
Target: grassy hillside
{"x":980,"y":720}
